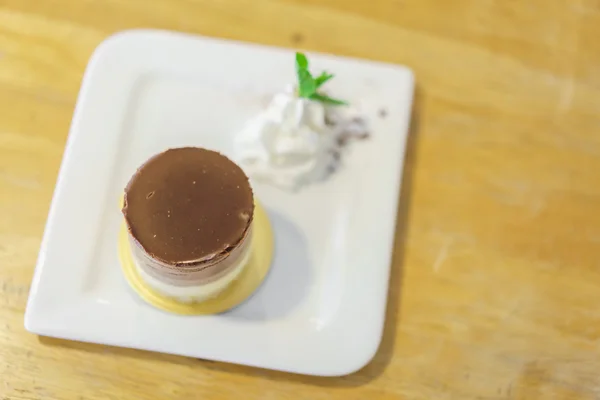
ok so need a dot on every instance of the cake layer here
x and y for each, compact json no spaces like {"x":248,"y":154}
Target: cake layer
{"x":191,"y":275}
{"x":198,"y":293}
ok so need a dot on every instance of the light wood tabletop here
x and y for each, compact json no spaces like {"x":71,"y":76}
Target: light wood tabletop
{"x":495,"y":290}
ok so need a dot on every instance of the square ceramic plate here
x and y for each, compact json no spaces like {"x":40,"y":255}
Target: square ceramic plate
{"x":321,"y":309}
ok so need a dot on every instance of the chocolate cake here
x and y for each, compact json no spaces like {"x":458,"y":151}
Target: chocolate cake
{"x":188,"y":211}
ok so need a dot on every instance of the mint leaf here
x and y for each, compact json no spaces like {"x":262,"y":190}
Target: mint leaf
{"x":307,"y":85}
{"x":327,"y":100}
{"x":301,"y":61}
{"x":321,"y":79}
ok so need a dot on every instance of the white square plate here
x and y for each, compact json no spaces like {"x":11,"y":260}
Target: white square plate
{"x":321,"y":309}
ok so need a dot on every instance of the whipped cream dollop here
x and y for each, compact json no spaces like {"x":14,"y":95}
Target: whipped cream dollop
{"x":296,"y":141}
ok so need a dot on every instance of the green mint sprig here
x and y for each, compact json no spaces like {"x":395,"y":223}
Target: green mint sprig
{"x":308,"y":86}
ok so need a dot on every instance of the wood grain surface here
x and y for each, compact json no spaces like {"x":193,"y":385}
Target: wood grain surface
{"x":495,"y":291}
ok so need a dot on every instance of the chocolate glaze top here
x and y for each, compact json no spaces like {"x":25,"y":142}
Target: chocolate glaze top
{"x":188,"y":205}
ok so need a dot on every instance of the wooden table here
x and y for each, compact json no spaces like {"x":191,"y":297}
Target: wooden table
{"x":495,"y":291}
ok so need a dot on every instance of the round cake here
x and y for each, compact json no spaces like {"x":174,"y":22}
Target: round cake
{"x":189,"y":214}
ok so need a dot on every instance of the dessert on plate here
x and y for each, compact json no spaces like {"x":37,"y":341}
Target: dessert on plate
{"x":299,"y":138}
{"x":189,"y":214}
